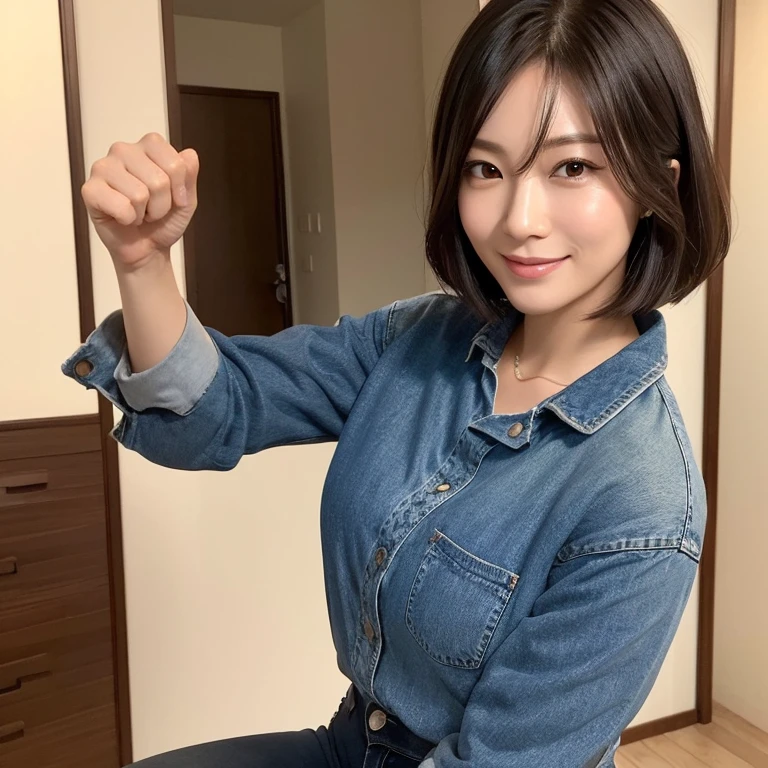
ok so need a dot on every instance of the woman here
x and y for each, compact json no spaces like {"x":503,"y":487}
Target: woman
{"x":513,"y":517}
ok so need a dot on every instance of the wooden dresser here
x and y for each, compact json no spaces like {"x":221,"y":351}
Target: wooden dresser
{"x":57,"y":673}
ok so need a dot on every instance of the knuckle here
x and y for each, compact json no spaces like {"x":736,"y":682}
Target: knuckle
{"x":99,"y":167}
{"x":140,"y":197}
{"x":153,"y":138}
{"x":159,"y":182}
{"x":117,"y":148}
{"x":176,"y":166}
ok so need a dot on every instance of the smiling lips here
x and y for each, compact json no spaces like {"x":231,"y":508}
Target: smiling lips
{"x":532,"y":268}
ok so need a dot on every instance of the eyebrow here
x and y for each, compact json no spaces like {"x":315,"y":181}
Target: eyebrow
{"x":557,"y":141}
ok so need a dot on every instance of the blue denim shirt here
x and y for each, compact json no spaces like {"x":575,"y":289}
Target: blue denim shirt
{"x":507,"y":585}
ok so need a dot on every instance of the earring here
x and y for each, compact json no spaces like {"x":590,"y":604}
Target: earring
{"x":647,"y":214}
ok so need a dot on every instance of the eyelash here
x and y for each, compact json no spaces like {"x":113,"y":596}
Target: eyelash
{"x":574,"y":160}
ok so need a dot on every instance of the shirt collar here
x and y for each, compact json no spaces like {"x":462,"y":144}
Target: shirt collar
{"x":595,"y":398}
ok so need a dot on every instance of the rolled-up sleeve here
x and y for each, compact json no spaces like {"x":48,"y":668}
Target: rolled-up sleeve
{"x":561,"y":688}
{"x":216,"y":398}
{"x":178,"y":382}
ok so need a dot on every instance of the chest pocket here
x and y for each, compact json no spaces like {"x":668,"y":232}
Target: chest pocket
{"x":456,"y":602}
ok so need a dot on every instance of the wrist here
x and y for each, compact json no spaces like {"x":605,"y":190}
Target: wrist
{"x":150,"y":283}
{"x":151,"y":265}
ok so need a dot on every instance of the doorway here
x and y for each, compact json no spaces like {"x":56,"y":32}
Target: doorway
{"x":236,"y":247}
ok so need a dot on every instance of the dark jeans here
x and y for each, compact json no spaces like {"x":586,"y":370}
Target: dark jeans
{"x":358,"y":736}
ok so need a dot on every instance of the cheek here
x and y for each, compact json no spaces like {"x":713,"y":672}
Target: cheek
{"x":597,"y":222}
{"x":477,"y":216}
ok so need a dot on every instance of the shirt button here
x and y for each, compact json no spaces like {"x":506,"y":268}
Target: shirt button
{"x":377,"y":720}
{"x":443,"y":487}
{"x":369,"y":632}
{"x":515,"y":429}
{"x":83,"y":367}
{"x":381,"y":555}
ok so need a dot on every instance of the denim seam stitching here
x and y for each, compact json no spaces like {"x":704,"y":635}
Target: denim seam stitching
{"x":390,"y":324}
{"x":477,"y":559}
{"x":617,"y":405}
{"x":689,"y":549}
{"x":672,"y":547}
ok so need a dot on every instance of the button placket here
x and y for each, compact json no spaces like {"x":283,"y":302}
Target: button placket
{"x":461,"y":467}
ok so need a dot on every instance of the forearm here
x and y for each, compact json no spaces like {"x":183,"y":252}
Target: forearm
{"x":153,"y":311}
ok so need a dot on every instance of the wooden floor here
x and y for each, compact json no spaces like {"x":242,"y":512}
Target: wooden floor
{"x":727,"y":742}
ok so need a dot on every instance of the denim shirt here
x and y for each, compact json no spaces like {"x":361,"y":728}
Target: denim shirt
{"x":507,"y":585}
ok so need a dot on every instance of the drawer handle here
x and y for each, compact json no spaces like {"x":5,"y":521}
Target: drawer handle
{"x":8,"y":566}
{"x":13,"y":674}
{"x":11,"y":731}
{"x":24,"y":482}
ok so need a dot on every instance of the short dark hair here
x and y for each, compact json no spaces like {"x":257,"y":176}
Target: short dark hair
{"x":630,"y":67}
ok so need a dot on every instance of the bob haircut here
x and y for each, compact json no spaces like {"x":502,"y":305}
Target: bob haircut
{"x":625,"y":60}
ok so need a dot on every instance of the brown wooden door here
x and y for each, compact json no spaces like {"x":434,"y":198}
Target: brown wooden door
{"x":237,"y":239}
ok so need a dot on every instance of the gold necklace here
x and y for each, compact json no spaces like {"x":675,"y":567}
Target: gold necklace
{"x":519,"y":376}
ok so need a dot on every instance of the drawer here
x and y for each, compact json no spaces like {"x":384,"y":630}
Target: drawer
{"x":53,"y":680}
{"x":48,"y":597}
{"x":50,"y":575}
{"x":52,"y":516}
{"x":55,"y":493}
{"x":23,"y":556}
{"x":49,"y":437}
{"x":48,"y":678}
{"x":27,"y":483}
{"x":87,"y":739}
{"x":69,"y":642}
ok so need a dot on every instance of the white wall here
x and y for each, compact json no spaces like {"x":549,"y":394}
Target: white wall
{"x":309,"y":121}
{"x":229,"y":54}
{"x":741,"y":619}
{"x":39,"y":320}
{"x":377,"y":142}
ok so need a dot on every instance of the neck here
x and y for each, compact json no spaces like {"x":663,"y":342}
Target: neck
{"x":565,"y":347}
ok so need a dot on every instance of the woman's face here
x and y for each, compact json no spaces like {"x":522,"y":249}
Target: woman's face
{"x":568,"y":208}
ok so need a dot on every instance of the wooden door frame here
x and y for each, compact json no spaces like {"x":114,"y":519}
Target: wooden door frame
{"x":273,"y":99}
{"x":712,"y":368}
{"x":105,"y":415}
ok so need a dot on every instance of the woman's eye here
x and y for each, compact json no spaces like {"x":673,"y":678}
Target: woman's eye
{"x":573,"y":169}
{"x":483,"y":171}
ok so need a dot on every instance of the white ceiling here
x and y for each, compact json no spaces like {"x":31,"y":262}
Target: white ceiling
{"x":274,"y":13}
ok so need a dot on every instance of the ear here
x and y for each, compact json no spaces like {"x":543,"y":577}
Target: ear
{"x":675,"y":166}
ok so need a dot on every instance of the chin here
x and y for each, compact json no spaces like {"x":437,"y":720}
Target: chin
{"x":537,"y":302}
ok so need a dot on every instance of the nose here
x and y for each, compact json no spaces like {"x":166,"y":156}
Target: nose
{"x":526,"y":213}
